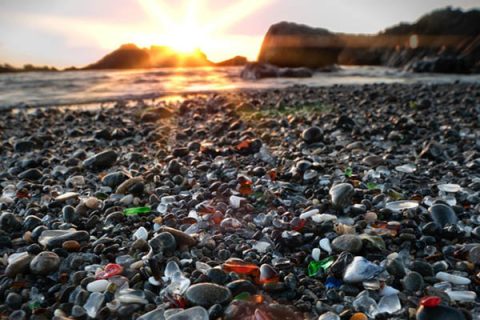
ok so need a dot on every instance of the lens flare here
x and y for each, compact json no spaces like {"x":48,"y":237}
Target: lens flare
{"x":189,"y":34}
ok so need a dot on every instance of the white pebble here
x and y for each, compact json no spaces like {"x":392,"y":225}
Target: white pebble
{"x":236,"y":201}
{"x":452,"y":278}
{"x":141,"y":233}
{"x":308,"y":214}
{"x":316,"y":254}
{"x":325,"y":245}
{"x":97,"y":286}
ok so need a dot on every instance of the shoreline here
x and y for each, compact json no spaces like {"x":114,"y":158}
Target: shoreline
{"x":295,"y":182}
{"x":90,"y":88}
{"x":182,"y":95}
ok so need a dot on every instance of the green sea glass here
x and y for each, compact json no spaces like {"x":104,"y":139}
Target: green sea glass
{"x":136,"y":211}
{"x":315,"y":266}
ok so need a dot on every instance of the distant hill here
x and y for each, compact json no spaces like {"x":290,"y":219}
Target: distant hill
{"x":129,"y":56}
{"x":445,"y":40}
{"x":4,"y":68}
{"x":235,"y":61}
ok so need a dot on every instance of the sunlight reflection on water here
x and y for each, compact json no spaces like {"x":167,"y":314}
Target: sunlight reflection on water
{"x":78,"y":87}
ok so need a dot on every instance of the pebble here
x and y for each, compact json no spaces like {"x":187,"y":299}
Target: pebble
{"x":347,"y":242}
{"x":413,"y":281}
{"x":92,"y":203}
{"x":207,"y":294}
{"x":443,"y":214}
{"x":343,"y":198}
{"x":312,"y":135}
{"x":71,"y":245}
{"x":181,"y":238}
{"x":31,"y":174}
{"x":341,"y":195}
{"x":163,"y":242}
{"x":452,"y":278}
{"x":102,"y":160}
{"x":44,"y":263}
{"x":97,"y":286}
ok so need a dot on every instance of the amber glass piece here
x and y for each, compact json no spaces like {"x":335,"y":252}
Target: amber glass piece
{"x":358,"y":316}
{"x":258,"y":298}
{"x":206,"y":209}
{"x":217,"y":217}
{"x":245,"y":190}
{"x":240,"y":266}
{"x":245,"y":144}
{"x":272,"y":174}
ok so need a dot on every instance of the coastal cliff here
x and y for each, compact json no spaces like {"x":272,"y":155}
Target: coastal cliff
{"x":446,"y":40}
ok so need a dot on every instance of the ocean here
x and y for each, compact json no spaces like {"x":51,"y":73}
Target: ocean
{"x":35,"y":89}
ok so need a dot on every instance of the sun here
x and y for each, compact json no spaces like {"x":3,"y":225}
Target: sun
{"x":185,"y":40}
{"x":195,"y":27}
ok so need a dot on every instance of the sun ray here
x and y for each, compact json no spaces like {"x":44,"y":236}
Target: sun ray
{"x":233,"y":14}
{"x":159,"y":12}
{"x":187,"y":34}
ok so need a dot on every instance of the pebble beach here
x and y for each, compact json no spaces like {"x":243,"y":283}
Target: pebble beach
{"x":348,"y":202}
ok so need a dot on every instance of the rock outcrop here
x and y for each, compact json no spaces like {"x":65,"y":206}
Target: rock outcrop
{"x":446,"y":40}
{"x":256,"y":70}
{"x":293,"y":45}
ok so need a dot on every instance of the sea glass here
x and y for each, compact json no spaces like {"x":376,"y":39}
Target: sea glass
{"x":372,"y":186}
{"x":127,"y":296}
{"x":308,"y":214}
{"x":136,"y":211}
{"x":406,"y":168}
{"x":110,"y":270}
{"x":325,"y":245}
{"x":316,"y":254}
{"x":400,"y":205}
{"x":364,"y":303}
{"x":332,"y":282}
{"x":194,"y":313}
{"x":449,"y":187}
{"x":329,"y":316}
{"x":140,"y":233}
{"x":241,"y":267}
{"x":243,"y":296}
{"x":178,"y":284}
{"x":315,"y":266}
{"x":459,"y":280}
{"x":202,"y":267}
{"x":235,"y":201}
{"x":389,"y":304}
{"x":360,"y":270}
{"x":348,"y":172}
{"x":156,"y":314}
{"x":245,"y":188}
{"x":462,"y":296}
{"x":94,"y":303}
{"x":171,"y":268}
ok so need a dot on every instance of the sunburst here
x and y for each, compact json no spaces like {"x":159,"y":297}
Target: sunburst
{"x":191,"y":33}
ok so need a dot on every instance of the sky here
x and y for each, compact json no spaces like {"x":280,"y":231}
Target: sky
{"x":66,"y":33}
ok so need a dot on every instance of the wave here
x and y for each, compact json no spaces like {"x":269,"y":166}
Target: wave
{"x":98,"y":86}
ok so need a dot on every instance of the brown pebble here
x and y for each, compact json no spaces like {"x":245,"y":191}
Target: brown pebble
{"x":181,"y":237}
{"x":27,"y":236}
{"x":123,"y":188}
{"x":71,"y":245}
